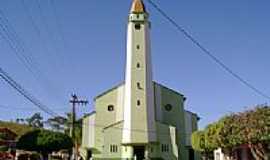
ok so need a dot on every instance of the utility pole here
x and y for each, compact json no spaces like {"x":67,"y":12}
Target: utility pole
{"x":75,"y":101}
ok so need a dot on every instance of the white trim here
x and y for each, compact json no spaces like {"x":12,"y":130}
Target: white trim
{"x":127,"y":100}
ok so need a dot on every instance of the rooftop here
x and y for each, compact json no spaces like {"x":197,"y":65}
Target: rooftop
{"x":138,"y":7}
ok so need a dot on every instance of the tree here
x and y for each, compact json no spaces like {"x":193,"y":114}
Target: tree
{"x":256,"y":132}
{"x":35,"y":121}
{"x":64,"y":123}
{"x":251,"y":128}
{"x":60,"y":123}
{"x":198,"y":144}
{"x":44,"y":141}
{"x":212,"y":135}
{"x":229,"y":137}
{"x":206,"y":141}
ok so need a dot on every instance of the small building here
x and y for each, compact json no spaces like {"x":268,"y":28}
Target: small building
{"x":7,"y":138}
{"x":140,"y":118}
{"x":241,"y":153}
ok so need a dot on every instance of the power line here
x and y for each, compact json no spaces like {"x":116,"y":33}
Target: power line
{"x":14,"y":48}
{"x":207,"y":52}
{"x":27,"y":11}
{"x":35,"y":26}
{"x":13,"y":35}
{"x":9,"y":38}
{"x":59,"y":27}
{"x":16,"y":44}
{"x":60,"y":30}
{"x":20,"y":108}
{"x":44,"y":20}
{"x":51,"y":34}
{"x":15,"y":108}
{"x":26,"y":94}
{"x":59,"y":35}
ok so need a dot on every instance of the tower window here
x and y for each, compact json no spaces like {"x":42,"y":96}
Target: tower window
{"x":137,"y":26}
{"x":110,"y":108}
{"x":138,"y":47}
{"x":139,"y":85}
{"x":138,"y":65}
{"x":138,"y":102}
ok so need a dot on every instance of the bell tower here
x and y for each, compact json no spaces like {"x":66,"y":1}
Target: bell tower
{"x":139,"y":113}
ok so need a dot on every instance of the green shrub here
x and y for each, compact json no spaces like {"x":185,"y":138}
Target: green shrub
{"x":3,"y":148}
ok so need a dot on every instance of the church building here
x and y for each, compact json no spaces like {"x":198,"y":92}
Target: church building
{"x":139,"y":119}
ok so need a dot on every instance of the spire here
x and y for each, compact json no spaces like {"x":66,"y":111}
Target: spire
{"x":137,"y":7}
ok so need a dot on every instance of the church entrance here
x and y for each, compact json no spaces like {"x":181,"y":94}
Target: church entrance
{"x":89,"y":154}
{"x":139,"y":152}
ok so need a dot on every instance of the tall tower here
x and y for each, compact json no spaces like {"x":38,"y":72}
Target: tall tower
{"x":139,"y":113}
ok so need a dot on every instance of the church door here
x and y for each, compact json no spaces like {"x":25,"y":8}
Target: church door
{"x":139,"y":152}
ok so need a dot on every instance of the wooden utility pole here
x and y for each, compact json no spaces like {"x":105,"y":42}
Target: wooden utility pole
{"x":75,"y":101}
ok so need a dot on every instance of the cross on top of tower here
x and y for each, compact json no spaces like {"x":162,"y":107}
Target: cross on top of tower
{"x":138,"y":7}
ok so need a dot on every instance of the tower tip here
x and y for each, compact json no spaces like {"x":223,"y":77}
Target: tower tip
{"x":137,"y":7}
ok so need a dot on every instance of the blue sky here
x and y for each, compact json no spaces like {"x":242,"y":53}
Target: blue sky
{"x":79,"y":46}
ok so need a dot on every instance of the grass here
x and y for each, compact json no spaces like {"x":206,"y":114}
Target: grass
{"x":19,"y":129}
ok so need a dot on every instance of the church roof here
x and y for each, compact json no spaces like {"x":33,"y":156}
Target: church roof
{"x":138,"y":7}
{"x":174,"y":91}
{"x":109,"y":90}
{"x":89,"y":114}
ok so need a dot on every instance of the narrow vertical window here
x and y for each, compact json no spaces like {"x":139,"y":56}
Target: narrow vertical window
{"x":138,"y":102}
{"x":138,"y":65}
{"x":138,"y":47}
{"x":139,"y":85}
{"x":165,"y":148}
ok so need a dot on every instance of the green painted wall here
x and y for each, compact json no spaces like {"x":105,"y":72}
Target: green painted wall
{"x":175,"y":117}
{"x":170,"y":119}
{"x":166,"y":137}
{"x":104,"y":118}
{"x":112,"y":136}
